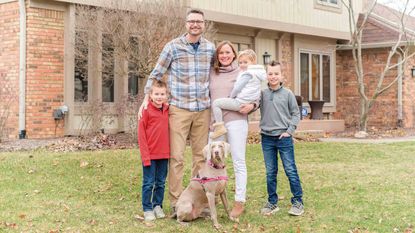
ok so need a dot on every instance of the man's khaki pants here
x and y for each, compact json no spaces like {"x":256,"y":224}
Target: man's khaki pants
{"x":184,"y":123}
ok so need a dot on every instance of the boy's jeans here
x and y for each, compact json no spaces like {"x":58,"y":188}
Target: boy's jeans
{"x":271,"y":145}
{"x":154,"y":178}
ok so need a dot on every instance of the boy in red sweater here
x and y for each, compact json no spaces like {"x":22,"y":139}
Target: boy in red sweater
{"x":153,"y":140}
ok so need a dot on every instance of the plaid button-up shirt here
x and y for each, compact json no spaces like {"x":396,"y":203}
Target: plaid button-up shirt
{"x":188,"y":73}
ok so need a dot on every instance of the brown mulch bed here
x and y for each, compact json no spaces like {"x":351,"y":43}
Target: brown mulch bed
{"x":67,"y":144}
{"x":375,"y":133}
{"x":125,"y":141}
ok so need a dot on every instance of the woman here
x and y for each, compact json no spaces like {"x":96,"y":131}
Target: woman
{"x":222,"y":79}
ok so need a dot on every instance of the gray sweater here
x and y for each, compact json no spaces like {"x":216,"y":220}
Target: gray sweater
{"x":279,"y":111}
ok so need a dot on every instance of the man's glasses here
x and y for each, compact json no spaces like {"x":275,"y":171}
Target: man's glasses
{"x":198,"y":22}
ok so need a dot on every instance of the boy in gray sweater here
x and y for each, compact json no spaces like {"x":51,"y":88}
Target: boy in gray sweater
{"x":279,"y":118}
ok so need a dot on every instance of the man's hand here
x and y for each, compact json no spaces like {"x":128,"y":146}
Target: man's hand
{"x":285,"y":135}
{"x":142,"y":107}
{"x":246,"y":108}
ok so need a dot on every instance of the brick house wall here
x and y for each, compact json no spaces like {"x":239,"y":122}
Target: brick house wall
{"x":408,"y":89}
{"x":384,"y":113}
{"x":45,"y":72}
{"x":9,"y":68}
{"x":286,"y":47}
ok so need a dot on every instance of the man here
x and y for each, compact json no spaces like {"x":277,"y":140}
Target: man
{"x":187,"y":60}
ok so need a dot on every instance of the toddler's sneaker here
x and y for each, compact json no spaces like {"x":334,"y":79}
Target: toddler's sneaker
{"x":158,"y":211}
{"x":297,"y":209}
{"x":269,"y":209}
{"x":149,"y":216}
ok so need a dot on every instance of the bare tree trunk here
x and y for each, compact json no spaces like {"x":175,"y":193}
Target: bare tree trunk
{"x":401,"y":47}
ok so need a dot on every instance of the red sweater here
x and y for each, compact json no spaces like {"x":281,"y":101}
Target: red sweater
{"x":153,"y":134}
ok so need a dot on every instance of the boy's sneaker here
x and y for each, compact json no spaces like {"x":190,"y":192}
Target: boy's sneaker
{"x":158,"y":211}
{"x":269,"y":209}
{"x":297,"y":209}
{"x":149,"y":216}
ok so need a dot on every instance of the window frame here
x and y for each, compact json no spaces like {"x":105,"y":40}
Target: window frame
{"x":88,"y":63}
{"x":321,"y":85}
{"x":327,"y":6}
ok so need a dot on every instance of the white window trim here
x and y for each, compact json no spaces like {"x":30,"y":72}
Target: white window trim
{"x":328,"y":3}
{"x":327,"y":6}
{"x":332,"y":74}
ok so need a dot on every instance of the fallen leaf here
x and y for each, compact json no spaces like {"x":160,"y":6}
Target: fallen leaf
{"x":11,"y":225}
{"x":22,"y":216}
{"x":235,"y":226}
{"x":92,"y":222}
{"x":83,"y":164}
{"x":149,"y":224}
{"x":138,"y":217}
{"x":66,"y":208}
{"x":298,"y":229}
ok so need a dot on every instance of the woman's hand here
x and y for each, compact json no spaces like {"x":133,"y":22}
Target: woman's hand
{"x":246,"y":108}
{"x":285,"y":135}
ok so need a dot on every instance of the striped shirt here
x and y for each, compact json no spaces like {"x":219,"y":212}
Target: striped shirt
{"x":188,"y":73}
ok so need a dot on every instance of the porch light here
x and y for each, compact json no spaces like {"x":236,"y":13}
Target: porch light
{"x":267,"y":58}
{"x":413,"y":72}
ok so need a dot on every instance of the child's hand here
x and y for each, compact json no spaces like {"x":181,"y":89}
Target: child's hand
{"x":142,"y":107}
{"x":285,"y":135}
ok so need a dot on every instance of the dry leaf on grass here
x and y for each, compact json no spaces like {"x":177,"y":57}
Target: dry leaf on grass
{"x":83,"y":164}
{"x":11,"y":225}
{"x":138,"y":217}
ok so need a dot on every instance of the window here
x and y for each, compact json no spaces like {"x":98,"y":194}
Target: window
{"x":133,"y":74}
{"x":81,"y":67}
{"x":333,"y":2}
{"x":241,"y":46}
{"x":328,"y":5}
{"x":315,"y":76}
{"x":108,"y":64}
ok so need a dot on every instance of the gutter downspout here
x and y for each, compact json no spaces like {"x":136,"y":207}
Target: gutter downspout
{"x":22,"y":70}
{"x":400,"y":101}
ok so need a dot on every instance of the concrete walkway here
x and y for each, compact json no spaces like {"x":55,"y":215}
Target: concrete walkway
{"x":370,"y":140}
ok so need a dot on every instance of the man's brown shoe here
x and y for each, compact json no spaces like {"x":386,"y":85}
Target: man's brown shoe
{"x":238,"y":209}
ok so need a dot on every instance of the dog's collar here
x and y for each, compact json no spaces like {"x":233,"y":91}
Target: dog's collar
{"x":216,"y":166}
{"x":204,"y":180}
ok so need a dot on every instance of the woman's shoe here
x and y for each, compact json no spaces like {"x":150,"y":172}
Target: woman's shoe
{"x":238,"y":209}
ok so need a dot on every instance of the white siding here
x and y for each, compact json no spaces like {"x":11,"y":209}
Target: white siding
{"x":298,"y":12}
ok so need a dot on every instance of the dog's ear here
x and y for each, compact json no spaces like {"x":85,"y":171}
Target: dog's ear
{"x":206,"y":152}
{"x":226,"y":148}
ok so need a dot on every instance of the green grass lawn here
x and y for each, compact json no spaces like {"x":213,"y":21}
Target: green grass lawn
{"x":346,"y":186}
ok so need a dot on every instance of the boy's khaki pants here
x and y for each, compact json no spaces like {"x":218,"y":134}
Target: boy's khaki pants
{"x":184,"y":123}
